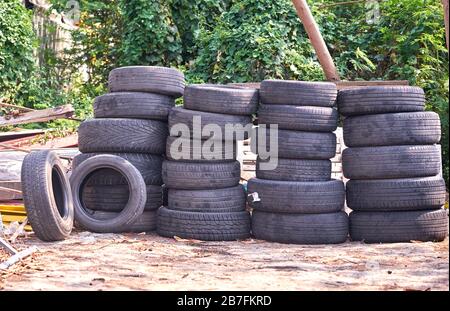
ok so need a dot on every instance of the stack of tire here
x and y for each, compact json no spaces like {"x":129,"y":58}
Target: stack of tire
{"x":393,"y":163}
{"x":130,"y":122}
{"x":298,"y":202}
{"x":205,"y":199}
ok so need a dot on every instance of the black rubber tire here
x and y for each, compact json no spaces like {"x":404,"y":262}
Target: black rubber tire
{"x":299,"y":118}
{"x":390,"y":129}
{"x":145,"y":223}
{"x":221,"y":99}
{"x":203,"y":226}
{"x":296,"y":170}
{"x":122,"y":135}
{"x":201,"y":176}
{"x":152,"y":79}
{"x":298,"y":93}
{"x":136,"y":202}
{"x":184,"y":116}
{"x":133,"y":105}
{"x":223,"y":153}
{"x":391,"y":227}
{"x":149,"y":165}
{"x":225,"y":200}
{"x":391,"y":162}
{"x":114,"y":198}
{"x":331,"y":228}
{"x":380,"y":99}
{"x":396,"y":194}
{"x":296,"y":197}
{"x":47,"y":196}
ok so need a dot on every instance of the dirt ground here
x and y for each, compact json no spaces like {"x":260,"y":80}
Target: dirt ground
{"x":89,"y":261}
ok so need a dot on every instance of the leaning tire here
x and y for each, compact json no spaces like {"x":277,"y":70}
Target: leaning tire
{"x":185,"y":149}
{"x":296,"y":197}
{"x":47,"y":196}
{"x":203,"y":226}
{"x":122,"y":135}
{"x":159,"y":80}
{"x":391,"y":162}
{"x":296,"y":170}
{"x":331,"y":228}
{"x":390,"y":129}
{"x":391,"y":227}
{"x":145,"y":223}
{"x":198,"y":176}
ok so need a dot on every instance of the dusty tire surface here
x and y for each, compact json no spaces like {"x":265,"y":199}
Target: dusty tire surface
{"x":145,"y":223}
{"x":330,"y":228}
{"x":299,"y":118}
{"x":151,"y":79}
{"x":203,"y":226}
{"x":391,"y":227}
{"x":396,"y":194}
{"x":200,"y":150}
{"x":122,"y":135}
{"x":135,"y":105}
{"x":381,"y":99}
{"x":298,"y":93}
{"x":296,"y":170}
{"x":296,"y":197}
{"x":221,"y":99}
{"x":47,"y":196}
{"x":391,"y":162}
{"x":201,"y":176}
{"x":390,"y":129}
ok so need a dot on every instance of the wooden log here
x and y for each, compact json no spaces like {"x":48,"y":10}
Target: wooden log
{"x":445,"y":5}
{"x":44,"y":115}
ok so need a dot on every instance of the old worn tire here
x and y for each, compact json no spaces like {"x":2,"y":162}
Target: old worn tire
{"x":122,"y":135}
{"x":136,"y":202}
{"x":396,"y":194}
{"x":330,"y":228}
{"x":380,"y":99}
{"x":223,"y":200}
{"x":391,"y":162}
{"x":185,"y":149}
{"x":299,"y":118}
{"x":391,"y":227}
{"x":390,"y":129}
{"x":296,"y":197}
{"x":149,"y":165}
{"x":152,"y":79}
{"x":145,"y":223}
{"x":199,"y":176}
{"x":296,"y":170}
{"x":136,"y":105}
{"x":47,"y":196}
{"x":203,"y":226}
{"x":113,"y":198}
{"x":298,"y":93}
{"x":221,"y":99}
{"x":185,"y":117}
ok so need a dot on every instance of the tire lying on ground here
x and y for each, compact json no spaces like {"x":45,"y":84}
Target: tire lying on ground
{"x":135,"y":204}
{"x":381,"y":99}
{"x":391,"y":162}
{"x":47,"y":196}
{"x":330,"y":228}
{"x":296,"y":170}
{"x":122,"y":135}
{"x":396,"y":194}
{"x":152,"y":79}
{"x":296,"y":197}
{"x":201,"y":176}
{"x":299,"y":118}
{"x":180,"y":118}
{"x":203,"y":226}
{"x":136,"y":105}
{"x":221,"y":99}
{"x":390,"y":129}
{"x":113,"y":198}
{"x":225,"y":200}
{"x":390,"y":227}
{"x":298,"y":93}
{"x":149,"y":165}
{"x":145,"y":223}
{"x":185,"y":149}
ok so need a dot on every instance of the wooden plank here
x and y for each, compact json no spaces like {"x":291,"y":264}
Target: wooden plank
{"x":16,"y":135}
{"x":355,"y":84}
{"x":44,"y":115}
{"x":8,"y":195}
{"x":15,"y":107}
{"x":445,"y":5}
{"x":5,"y":189}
